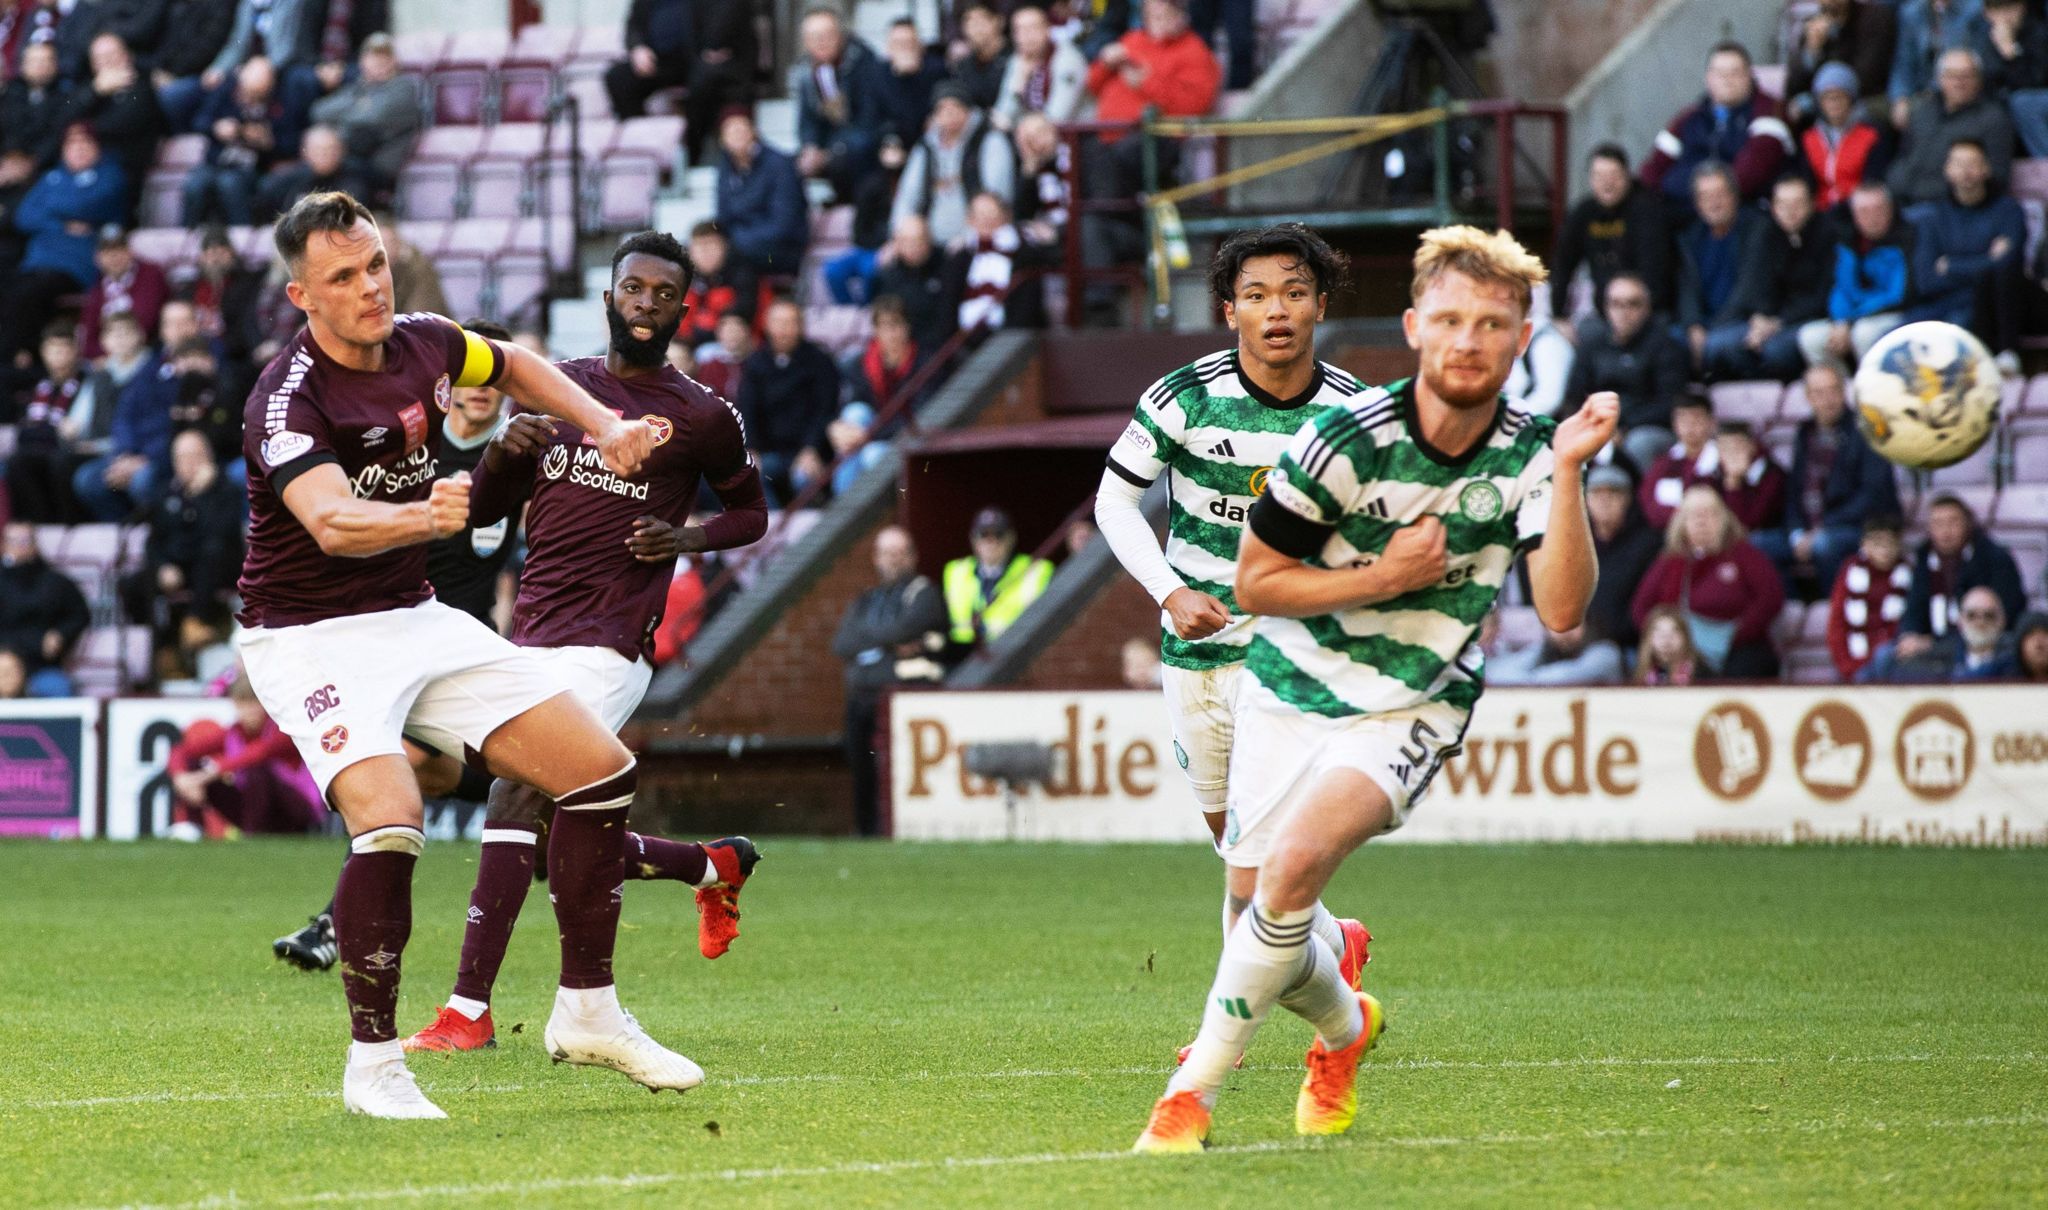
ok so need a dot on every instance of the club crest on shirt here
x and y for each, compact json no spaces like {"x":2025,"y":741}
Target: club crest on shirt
{"x":663,"y":427}
{"x":335,"y":739}
{"x":1480,"y":501}
{"x":444,"y":393}
{"x":414,"y":418}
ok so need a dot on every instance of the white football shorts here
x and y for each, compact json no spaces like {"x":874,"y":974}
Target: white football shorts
{"x":602,"y":679}
{"x":347,"y":689}
{"x":1281,"y":752}
{"x":1201,"y":705}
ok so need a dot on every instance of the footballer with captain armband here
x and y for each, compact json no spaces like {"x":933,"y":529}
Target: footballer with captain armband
{"x":1383,"y":539}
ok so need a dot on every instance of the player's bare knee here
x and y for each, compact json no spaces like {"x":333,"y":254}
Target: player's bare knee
{"x":516,"y":806}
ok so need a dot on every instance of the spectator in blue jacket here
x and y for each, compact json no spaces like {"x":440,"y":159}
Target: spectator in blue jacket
{"x":838,"y":87}
{"x":60,"y":215}
{"x":1963,"y":240}
{"x":132,"y":476}
{"x":1873,"y":281}
{"x":1837,"y":483}
{"x":248,"y":130}
{"x":1711,"y":254}
{"x":760,"y":199}
{"x":1926,"y":28}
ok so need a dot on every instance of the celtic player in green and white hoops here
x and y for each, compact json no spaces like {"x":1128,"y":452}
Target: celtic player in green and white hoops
{"x":1385,"y":534}
{"x":1215,"y":429}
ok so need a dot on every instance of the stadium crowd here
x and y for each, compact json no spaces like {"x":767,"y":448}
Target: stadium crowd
{"x":1760,"y":237}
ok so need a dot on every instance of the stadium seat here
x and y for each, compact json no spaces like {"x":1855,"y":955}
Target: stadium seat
{"x":840,"y":329}
{"x":832,"y":227}
{"x":460,"y":96}
{"x":520,"y":283}
{"x":625,"y":193}
{"x":164,"y":246}
{"x":1793,"y":408}
{"x":529,"y":237}
{"x":2030,"y":179}
{"x":163,"y":198}
{"x":524,"y":93}
{"x":430,"y":236}
{"x":419,"y":50}
{"x":542,"y":44}
{"x":2025,"y":505}
{"x":480,"y":49}
{"x":1805,"y":665}
{"x":601,"y":44}
{"x":463,"y":282}
{"x":1778,"y":441}
{"x":2029,"y":549}
{"x":2029,"y":462}
{"x":592,"y":101}
{"x":1977,"y":470}
{"x":478,"y":238}
{"x":430,"y":190}
{"x":659,"y":138}
{"x":499,"y":176}
{"x":1813,"y":627}
{"x":1756,"y":402}
{"x":253,"y":244}
{"x":180,"y":151}
{"x":1786,"y":629}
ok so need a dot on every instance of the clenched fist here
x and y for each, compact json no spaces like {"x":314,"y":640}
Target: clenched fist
{"x":524,"y":437}
{"x":1414,"y":558}
{"x":448,"y":505}
{"x":1196,"y":615}
{"x":625,"y":446}
{"x":1585,"y":432}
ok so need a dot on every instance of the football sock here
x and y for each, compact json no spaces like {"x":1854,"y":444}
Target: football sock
{"x":504,"y":869}
{"x":587,"y":871}
{"x":653,"y":857}
{"x":1267,"y":953}
{"x":368,"y":1054}
{"x":587,"y":1002}
{"x":471,"y":1009}
{"x":1326,"y":929}
{"x":372,"y":920}
{"x":1324,"y":1000}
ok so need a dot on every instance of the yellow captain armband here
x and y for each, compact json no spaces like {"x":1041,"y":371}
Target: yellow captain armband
{"x":483,"y":362}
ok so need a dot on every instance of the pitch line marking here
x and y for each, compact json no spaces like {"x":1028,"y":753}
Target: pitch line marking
{"x":649,"y":1180}
{"x":908,"y":1077}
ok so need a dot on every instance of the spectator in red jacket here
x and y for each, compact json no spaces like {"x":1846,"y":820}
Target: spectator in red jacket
{"x":1695,"y":456}
{"x":1728,"y":590}
{"x":1869,"y":596}
{"x":127,"y":284}
{"x":1842,"y":148}
{"x":1749,"y":482}
{"x":722,"y":283}
{"x":1733,"y":123}
{"x":245,"y":777}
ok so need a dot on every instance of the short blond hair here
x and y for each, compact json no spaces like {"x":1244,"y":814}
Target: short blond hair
{"x":1488,"y":256}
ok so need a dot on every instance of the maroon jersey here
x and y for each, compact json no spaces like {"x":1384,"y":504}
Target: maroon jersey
{"x":581,"y":586}
{"x":383,"y":429}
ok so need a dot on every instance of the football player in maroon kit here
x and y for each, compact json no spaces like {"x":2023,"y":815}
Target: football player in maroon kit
{"x":601,"y":550}
{"x":348,"y":650}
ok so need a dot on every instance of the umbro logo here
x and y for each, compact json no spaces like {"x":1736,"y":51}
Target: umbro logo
{"x":1377,"y":508}
{"x":1222,"y":449}
{"x":374,"y":435}
{"x":475,"y":913}
{"x":382,"y":960}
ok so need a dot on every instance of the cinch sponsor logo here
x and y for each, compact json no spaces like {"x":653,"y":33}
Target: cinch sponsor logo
{"x":416,"y":468}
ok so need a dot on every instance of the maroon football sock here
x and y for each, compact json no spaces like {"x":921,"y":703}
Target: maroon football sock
{"x":504,"y":869}
{"x":587,"y":873}
{"x":652,"y":857}
{"x":372,"y":920}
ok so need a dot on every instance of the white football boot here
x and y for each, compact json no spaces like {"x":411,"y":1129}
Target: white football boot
{"x":612,"y":1038}
{"x":385,"y":1090}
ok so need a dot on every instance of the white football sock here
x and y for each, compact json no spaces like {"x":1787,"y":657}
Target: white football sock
{"x":589,"y":1002}
{"x":1326,"y":929}
{"x":1266,"y":954}
{"x":369,"y":1054}
{"x":1324,"y":1000}
{"x":473,"y":1009}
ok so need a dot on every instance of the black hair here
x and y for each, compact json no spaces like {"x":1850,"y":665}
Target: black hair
{"x":1302,"y":246}
{"x":1954,"y":501}
{"x":1793,"y":178}
{"x":660,"y":245}
{"x":1729,"y":46}
{"x":1968,"y":141}
{"x":707,"y":227}
{"x":60,"y":330}
{"x":1885,"y":523}
{"x":1733,"y":428}
{"x":1707,"y":168}
{"x":331,"y":211}
{"x":488,"y":327}
{"x":1629,"y":275}
{"x":1694,"y":399}
{"x":1609,"y":151}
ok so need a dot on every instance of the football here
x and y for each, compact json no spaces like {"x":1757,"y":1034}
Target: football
{"x":1927,"y":395}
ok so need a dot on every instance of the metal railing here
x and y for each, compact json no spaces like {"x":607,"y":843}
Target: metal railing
{"x":562,"y":281}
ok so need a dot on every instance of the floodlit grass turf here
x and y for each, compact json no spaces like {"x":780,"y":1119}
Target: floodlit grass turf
{"x":988,"y":1026}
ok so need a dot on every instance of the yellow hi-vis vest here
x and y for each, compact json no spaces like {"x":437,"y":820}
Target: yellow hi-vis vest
{"x":974,"y":618}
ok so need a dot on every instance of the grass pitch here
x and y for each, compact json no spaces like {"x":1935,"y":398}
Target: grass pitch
{"x":988,"y":1026}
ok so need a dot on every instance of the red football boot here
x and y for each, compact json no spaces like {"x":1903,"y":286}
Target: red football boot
{"x":453,"y":1031}
{"x":718,"y":905}
{"x":1351,"y":963}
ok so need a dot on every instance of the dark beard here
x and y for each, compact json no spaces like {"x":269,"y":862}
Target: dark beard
{"x":645,"y":354}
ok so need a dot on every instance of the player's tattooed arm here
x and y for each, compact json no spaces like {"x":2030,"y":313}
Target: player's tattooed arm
{"x":535,"y":382}
{"x":504,"y":477}
{"x":350,"y":528}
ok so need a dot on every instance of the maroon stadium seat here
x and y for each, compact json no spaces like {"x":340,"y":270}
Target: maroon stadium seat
{"x":430,"y":190}
{"x":2024,"y":505}
{"x":529,"y":237}
{"x":163,"y":198}
{"x":520,"y":280}
{"x":525,"y":92}
{"x":462,"y":282}
{"x":478,"y":238}
{"x":1811,"y":666}
{"x":460,"y":96}
{"x":164,"y":245}
{"x":1756,"y":402}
